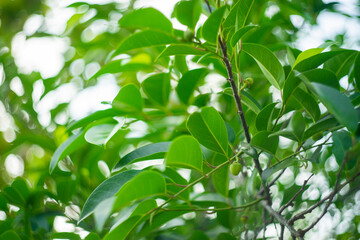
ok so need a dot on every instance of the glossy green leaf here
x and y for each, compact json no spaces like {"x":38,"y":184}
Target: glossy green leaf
{"x":181,"y":49}
{"x":92,"y":236}
{"x":240,"y":33}
{"x":321,"y":76}
{"x":265,"y":142}
{"x":340,"y":65}
{"x":238,"y":15}
{"x":341,"y":143}
{"x":146,"y":18}
{"x":70,"y":145}
{"x":337,"y":104}
{"x":157,"y":88}
{"x":65,"y":235}
{"x":297,"y":125}
{"x":121,"y":231}
{"x":100,"y":134}
{"x":278,"y":166}
{"x":185,"y":152}
{"x":188,"y":83}
{"x":117,"y":67}
{"x":321,"y":126}
{"x":128,"y":99}
{"x":263,"y":119}
{"x":102,"y":212}
{"x":356,"y":71}
{"x":246,"y":99}
{"x":220,"y":178}
{"x":188,"y":12}
{"x":268,"y":63}
{"x":308,"y":102}
{"x":105,"y":190}
{"x":291,"y":84}
{"x":307,"y":54}
{"x":210,"y":29}
{"x":208,"y":127}
{"x":148,"y":152}
{"x":146,"y":38}
{"x":145,"y":184}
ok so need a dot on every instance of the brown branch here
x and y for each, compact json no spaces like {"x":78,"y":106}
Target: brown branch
{"x":295,"y":195}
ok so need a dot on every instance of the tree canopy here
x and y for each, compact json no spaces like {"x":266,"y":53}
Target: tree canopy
{"x":221,"y":127}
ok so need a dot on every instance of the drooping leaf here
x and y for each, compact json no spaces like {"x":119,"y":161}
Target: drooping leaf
{"x":105,"y":190}
{"x":297,"y":125}
{"x":157,"y":88}
{"x":337,"y":104}
{"x":240,"y":33}
{"x":148,"y":152}
{"x":144,"y":184}
{"x":211,"y":26}
{"x":268,"y":63}
{"x":181,"y":49}
{"x":308,"y":102}
{"x":185,"y":152}
{"x":70,"y":145}
{"x":128,"y":99}
{"x":146,"y":18}
{"x":188,"y":82}
{"x":263,"y":119}
{"x":265,"y":142}
{"x":277,"y":167}
{"x":208,"y":127}
{"x":146,"y":38}
{"x":188,"y":12}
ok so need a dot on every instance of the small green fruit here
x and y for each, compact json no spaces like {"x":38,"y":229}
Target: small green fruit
{"x":244,"y":219}
{"x":249,"y":81}
{"x":188,"y":35}
{"x":235,"y":168}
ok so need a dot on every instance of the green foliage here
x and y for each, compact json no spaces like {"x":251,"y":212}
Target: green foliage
{"x":210,"y":136}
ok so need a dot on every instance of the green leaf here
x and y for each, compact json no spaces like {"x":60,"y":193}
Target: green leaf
{"x":320,"y":126}
{"x":145,"y":184}
{"x":307,"y":54}
{"x":225,"y":236}
{"x":185,"y":152}
{"x":209,"y":129}
{"x":240,"y":33}
{"x":3,"y":202}
{"x":146,"y":18}
{"x":73,"y":143}
{"x":102,"y":212}
{"x":128,"y":99}
{"x":122,"y":230}
{"x":146,"y":38}
{"x":157,"y":88}
{"x":210,"y":29}
{"x":148,"y":152}
{"x":340,"y":65}
{"x":65,"y":235}
{"x":268,"y":63}
{"x":291,"y":84}
{"x":246,"y":99}
{"x":220,"y":178}
{"x":337,"y":104}
{"x":265,"y":142}
{"x":238,"y":15}
{"x":308,"y":102}
{"x":105,"y":190}
{"x":188,"y":83}
{"x":117,"y":67}
{"x":198,"y":235}
{"x":321,"y":76}
{"x":188,"y":12}
{"x":92,"y":236}
{"x":181,"y":49}
{"x":277,"y":167}
{"x":10,"y":234}
{"x":356,"y":71}
{"x":263,"y":119}
{"x":102,"y":114}
{"x":100,"y":134}
{"x":341,"y":143}
{"x":297,"y":125}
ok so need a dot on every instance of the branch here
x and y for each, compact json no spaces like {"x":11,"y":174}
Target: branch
{"x":281,"y":220}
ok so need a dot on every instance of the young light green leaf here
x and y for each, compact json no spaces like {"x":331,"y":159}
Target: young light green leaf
{"x":209,"y":129}
{"x":307,"y":54}
{"x":148,"y":152}
{"x":185,"y":152}
{"x":105,"y":190}
{"x":265,"y":142}
{"x":146,"y":38}
{"x":181,"y":49}
{"x":70,"y":145}
{"x":308,"y":102}
{"x":157,"y":88}
{"x":188,"y":12}
{"x":240,"y":33}
{"x":263,"y":119}
{"x":268,"y":63}
{"x":128,"y":99}
{"x":210,"y":29}
{"x":146,"y":18}
{"x":188,"y":82}
{"x":145,"y":184}
{"x":337,"y":104}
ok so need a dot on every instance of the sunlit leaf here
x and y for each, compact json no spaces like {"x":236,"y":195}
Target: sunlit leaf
{"x":188,"y":12}
{"x":181,"y":49}
{"x":211,"y":26}
{"x":128,"y":99}
{"x":157,"y":88}
{"x":240,"y":33}
{"x":188,"y":82}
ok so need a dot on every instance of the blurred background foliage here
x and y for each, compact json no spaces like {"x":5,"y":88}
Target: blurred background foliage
{"x":33,"y":202}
